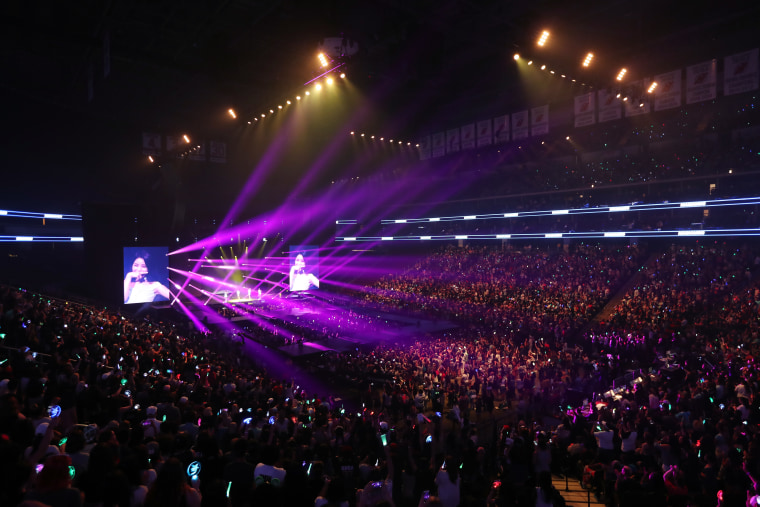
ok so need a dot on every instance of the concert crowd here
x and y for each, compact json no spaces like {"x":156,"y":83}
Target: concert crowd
{"x":647,"y":397}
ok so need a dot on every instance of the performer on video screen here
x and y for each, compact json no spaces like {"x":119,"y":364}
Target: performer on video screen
{"x":299,"y":278}
{"x":137,"y":286}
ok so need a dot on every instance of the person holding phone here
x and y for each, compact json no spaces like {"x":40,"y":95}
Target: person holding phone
{"x":449,"y":483}
{"x":41,"y":444}
{"x":428,"y":500}
{"x":604,"y":438}
{"x":378,"y":491}
{"x":332,"y":494}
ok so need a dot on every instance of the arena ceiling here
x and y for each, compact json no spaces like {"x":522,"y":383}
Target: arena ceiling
{"x":82,"y":79}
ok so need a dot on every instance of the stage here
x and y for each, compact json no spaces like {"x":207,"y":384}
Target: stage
{"x":342,"y":327}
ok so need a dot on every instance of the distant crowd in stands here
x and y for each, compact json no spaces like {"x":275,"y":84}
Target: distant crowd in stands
{"x":694,"y":141}
{"x":540,"y":292}
{"x":632,"y":167}
{"x":651,"y":399}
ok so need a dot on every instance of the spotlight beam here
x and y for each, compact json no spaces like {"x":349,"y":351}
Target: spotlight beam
{"x":324,"y":74}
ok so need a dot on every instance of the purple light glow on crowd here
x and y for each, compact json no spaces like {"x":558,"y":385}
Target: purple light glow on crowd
{"x":190,"y":315}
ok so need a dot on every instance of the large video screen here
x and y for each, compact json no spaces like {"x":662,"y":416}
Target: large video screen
{"x":304,"y":268}
{"x":146,"y":276}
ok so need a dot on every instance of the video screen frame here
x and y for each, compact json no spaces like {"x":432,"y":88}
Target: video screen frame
{"x":304,"y":268}
{"x":146,"y":274}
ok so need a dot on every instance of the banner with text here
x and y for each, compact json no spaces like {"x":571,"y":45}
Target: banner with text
{"x":740,"y":73}
{"x":199,"y":154}
{"x":610,"y":107}
{"x":171,"y":144}
{"x":667,"y":95}
{"x":702,"y":82}
{"x":468,"y":136}
{"x":484,"y":133}
{"x":501,"y":129}
{"x":151,"y":144}
{"x":638,"y":102}
{"x":585,"y":110}
{"x":520,"y":125}
{"x":452,"y":140}
{"x":425,"y":148}
{"x":217,"y":152}
{"x":539,"y":120}
{"x":439,"y":144}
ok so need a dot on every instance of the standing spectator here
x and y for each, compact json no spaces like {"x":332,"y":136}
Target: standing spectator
{"x":53,"y":486}
{"x":448,"y":482}
{"x":170,"y":488}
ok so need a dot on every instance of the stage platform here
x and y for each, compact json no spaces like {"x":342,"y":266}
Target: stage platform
{"x":308,"y":348}
{"x":387,"y":327}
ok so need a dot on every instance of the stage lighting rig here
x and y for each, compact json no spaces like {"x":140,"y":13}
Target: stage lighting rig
{"x":333,"y":54}
{"x":543,"y":38}
{"x":338,"y":48}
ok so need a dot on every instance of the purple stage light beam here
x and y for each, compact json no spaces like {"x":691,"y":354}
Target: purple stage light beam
{"x":196,"y":322}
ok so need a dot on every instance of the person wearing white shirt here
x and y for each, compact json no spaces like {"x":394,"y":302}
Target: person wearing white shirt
{"x":604,"y":436}
{"x":137,"y":286}
{"x":448,"y":481}
{"x":301,"y":280}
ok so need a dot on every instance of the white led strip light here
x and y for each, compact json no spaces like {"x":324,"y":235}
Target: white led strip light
{"x":581,"y":211}
{"x":34,"y":214}
{"x":41,"y":239}
{"x":566,"y":235}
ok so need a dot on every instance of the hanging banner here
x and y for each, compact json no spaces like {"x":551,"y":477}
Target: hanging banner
{"x":484,"y":133}
{"x":702,"y":82}
{"x":199,"y":154}
{"x":424,"y":148}
{"x":218,"y":152}
{"x":452,"y":140}
{"x":740,"y":74}
{"x":638,"y":103}
{"x":610,"y":107}
{"x":667,"y":94}
{"x":151,"y":144}
{"x":585,"y":110}
{"x":468,"y":136}
{"x":539,"y":120}
{"x":501,"y":129}
{"x":520,"y":125}
{"x":171,"y":144}
{"x":439,"y":144}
